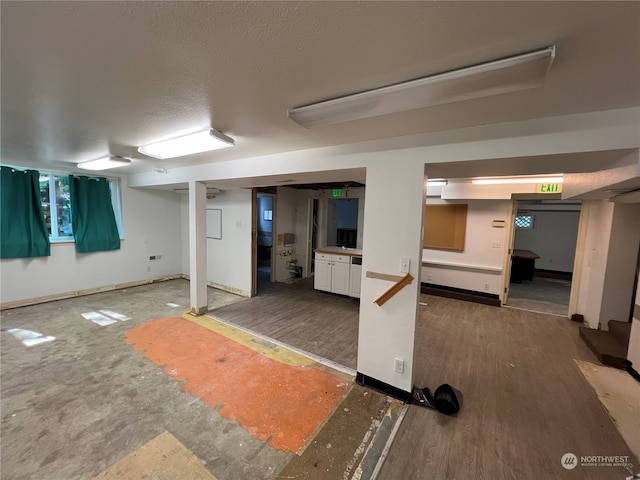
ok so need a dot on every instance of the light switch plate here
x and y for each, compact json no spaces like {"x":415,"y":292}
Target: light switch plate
{"x":405,"y":264}
{"x":399,"y":365}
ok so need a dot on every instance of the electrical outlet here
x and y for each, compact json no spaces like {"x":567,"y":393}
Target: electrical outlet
{"x":148,"y":268}
{"x":399,"y":365}
{"x":428,"y":277}
{"x":486,"y":286}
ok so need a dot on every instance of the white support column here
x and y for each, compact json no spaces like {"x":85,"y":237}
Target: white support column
{"x":392,"y":231}
{"x":198,"y":247}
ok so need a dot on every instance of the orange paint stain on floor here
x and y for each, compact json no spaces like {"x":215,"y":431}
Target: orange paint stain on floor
{"x":269,"y":399}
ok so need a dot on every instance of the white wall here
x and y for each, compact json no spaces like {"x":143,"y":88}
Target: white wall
{"x":618,"y":294}
{"x":479,"y":266}
{"x":611,"y":248}
{"x":553,"y":239}
{"x":151,"y":226}
{"x":229,"y":258}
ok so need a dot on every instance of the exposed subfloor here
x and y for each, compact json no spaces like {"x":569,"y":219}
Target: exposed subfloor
{"x":75,"y":406}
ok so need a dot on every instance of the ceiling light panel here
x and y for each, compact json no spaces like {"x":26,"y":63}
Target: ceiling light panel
{"x":105,"y":163}
{"x":512,"y":74}
{"x":511,"y":180}
{"x":204,"y":141}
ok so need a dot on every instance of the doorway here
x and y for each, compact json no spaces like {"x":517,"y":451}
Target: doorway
{"x":264,"y":221}
{"x":312,"y":234}
{"x":543,"y":253}
{"x":342,"y":222}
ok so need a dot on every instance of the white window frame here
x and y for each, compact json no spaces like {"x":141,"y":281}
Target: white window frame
{"x":116,"y":202}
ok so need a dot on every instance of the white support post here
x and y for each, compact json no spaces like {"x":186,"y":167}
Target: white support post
{"x":198,"y":247}
{"x":393,"y":231}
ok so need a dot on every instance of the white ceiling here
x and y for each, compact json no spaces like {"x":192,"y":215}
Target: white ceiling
{"x":84,"y":79}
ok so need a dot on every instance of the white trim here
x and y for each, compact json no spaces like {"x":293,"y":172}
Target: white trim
{"x":462,"y":266}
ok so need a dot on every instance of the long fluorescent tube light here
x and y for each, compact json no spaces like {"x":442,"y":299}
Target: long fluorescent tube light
{"x":199,"y":142}
{"x":437,"y":182}
{"x":508,"y":180}
{"x":105,"y":163}
{"x":511,"y":74}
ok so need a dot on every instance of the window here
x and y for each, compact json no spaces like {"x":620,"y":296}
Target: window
{"x":56,"y":204}
{"x":267,"y":215}
{"x":524,"y":222}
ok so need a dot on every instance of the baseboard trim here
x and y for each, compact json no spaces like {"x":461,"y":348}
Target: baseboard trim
{"x":553,"y":274}
{"x":82,"y":293}
{"x":385,"y":388}
{"x":461,"y":294}
{"x":110,"y":288}
{"x":628,"y":366}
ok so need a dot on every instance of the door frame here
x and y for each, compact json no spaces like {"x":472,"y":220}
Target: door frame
{"x":508,"y":258}
{"x":578,"y":259}
{"x":254,"y":234}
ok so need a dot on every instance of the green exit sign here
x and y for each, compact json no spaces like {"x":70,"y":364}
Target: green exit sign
{"x":548,"y":188}
{"x":337,"y":192}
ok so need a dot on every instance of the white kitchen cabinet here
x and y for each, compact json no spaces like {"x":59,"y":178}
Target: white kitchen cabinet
{"x":340,"y":274}
{"x":322,"y":272}
{"x":335,"y":273}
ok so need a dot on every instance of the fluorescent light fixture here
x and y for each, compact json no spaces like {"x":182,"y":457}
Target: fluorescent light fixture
{"x":436,"y":182}
{"x":511,"y":180}
{"x":199,"y":142}
{"x":105,"y":163}
{"x":511,"y":74}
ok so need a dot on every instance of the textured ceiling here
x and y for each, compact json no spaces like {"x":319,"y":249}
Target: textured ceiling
{"x":84,"y":79}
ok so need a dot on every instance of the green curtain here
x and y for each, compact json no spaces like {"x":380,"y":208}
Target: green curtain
{"x":92,"y":218}
{"x":23,"y":229}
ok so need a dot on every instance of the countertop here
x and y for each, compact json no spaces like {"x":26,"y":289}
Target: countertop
{"x":353,"y":252}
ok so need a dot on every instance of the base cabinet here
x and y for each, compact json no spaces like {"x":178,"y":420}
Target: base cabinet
{"x":337,"y":274}
{"x":322,"y":275}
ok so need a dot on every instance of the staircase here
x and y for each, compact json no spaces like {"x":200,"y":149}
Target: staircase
{"x":610,"y":347}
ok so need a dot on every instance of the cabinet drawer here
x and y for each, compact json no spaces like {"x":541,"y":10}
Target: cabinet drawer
{"x":341,"y":258}
{"x":323,"y":256}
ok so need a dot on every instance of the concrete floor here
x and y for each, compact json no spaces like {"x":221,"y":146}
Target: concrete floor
{"x":544,"y":295}
{"x":99,"y":396}
{"x":74,"y":406}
